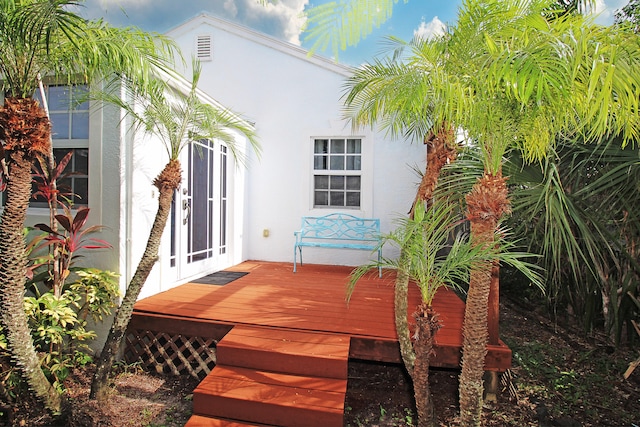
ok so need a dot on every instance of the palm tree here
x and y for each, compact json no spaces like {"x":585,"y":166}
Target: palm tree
{"x":630,"y":15}
{"x":510,"y":75}
{"x":373,"y":98}
{"x":419,"y":239}
{"x":435,"y":254}
{"x":176,"y":121}
{"x":591,"y":189}
{"x":43,"y":38}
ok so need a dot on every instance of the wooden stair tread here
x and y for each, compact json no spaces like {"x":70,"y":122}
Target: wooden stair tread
{"x":293,"y":352}
{"x":233,"y":381}
{"x":321,"y":344}
{"x":270,"y":397}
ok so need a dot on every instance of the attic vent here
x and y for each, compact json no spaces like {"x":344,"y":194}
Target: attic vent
{"x":204,"y":47}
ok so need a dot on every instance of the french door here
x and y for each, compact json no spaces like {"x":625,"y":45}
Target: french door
{"x":199,"y":218}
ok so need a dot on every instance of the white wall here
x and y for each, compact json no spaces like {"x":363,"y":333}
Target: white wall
{"x":293,"y":98}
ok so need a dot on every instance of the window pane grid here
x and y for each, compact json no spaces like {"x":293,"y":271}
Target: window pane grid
{"x":75,"y":185}
{"x":69,"y":117}
{"x":339,"y":162}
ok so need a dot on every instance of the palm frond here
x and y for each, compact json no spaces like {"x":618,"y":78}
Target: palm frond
{"x":440,"y":255}
{"x":339,"y":24}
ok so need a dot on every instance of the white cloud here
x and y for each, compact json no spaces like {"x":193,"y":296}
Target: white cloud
{"x":231,"y":7}
{"x":605,"y":10}
{"x":283,"y":19}
{"x":433,"y":28}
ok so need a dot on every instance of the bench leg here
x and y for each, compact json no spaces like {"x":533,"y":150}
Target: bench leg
{"x":295,"y":257}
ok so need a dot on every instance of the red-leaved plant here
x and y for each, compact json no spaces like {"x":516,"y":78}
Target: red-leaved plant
{"x":46,"y":177}
{"x":68,"y":242}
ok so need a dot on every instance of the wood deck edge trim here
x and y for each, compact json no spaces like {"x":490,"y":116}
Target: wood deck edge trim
{"x":446,"y":356}
{"x":203,"y":421}
{"x":361,"y":347}
{"x":179,"y":325}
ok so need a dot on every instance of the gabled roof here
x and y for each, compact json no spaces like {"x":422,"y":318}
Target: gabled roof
{"x":204,"y":18}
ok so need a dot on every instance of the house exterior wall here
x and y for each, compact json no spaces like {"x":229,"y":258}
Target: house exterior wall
{"x":293,"y":98}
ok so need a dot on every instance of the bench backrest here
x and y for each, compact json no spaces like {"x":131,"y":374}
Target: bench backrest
{"x":340,"y":226}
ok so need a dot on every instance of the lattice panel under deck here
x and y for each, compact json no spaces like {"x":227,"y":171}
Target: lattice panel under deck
{"x":175,"y":354}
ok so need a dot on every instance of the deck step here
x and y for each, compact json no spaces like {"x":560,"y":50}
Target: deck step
{"x":271,"y":398}
{"x":201,"y":421}
{"x":292,"y":352}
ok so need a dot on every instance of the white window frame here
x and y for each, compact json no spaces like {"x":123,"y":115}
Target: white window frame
{"x":72,"y":143}
{"x":361,"y":158}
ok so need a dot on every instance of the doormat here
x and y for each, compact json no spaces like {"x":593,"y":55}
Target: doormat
{"x":220,"y":278}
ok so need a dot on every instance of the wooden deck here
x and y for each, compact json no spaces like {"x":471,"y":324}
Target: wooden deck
{"x":294,"y":335}
{"x":313,"y":299}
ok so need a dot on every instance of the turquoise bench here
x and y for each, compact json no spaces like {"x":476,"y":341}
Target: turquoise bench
{"x":338,"y":231}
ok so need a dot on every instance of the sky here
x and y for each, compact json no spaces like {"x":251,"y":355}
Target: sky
{"x":285,"y":18}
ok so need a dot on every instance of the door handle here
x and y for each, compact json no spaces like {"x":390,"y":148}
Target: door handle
{"x":186,"y":206}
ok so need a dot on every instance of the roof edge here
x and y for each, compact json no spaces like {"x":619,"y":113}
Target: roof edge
{"x":261,"y":38}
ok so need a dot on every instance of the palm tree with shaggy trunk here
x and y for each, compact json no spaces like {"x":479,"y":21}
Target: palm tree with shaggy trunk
{"x":383,"y":94}
{"x":536,"y":76}
{"x":44,"y":38}
{"x":24,"y":131}
{"x":176,"y":120}
{"x":511,"y":75}
{"x":435,"y":254}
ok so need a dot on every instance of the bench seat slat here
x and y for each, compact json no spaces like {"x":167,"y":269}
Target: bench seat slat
{"x":338,"y":245}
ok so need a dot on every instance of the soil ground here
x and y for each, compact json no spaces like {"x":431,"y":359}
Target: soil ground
{"x":558,"y":378}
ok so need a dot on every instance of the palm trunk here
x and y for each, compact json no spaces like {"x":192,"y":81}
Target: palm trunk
{"x":440,"y":151}
{"x":486,"y":203}
{"x":24,"y":129}
{"x":401,"y":292}
{"x":167,"y":182}
{"x":427,"y":325}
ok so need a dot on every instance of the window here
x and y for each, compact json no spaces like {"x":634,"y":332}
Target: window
{"x":337,"y":179}
{"x":75,"y":185}
{"x":69,"y":116}
{"x":70,"y":132}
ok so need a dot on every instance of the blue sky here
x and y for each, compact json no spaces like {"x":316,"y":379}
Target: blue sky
{"x":284,"y":19}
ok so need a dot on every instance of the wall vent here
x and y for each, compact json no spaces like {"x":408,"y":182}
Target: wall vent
{"x":204,"y":47}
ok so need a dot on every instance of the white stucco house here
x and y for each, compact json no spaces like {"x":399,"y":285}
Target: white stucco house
{"x":312,"y":163}
{"x":295,"y":102}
